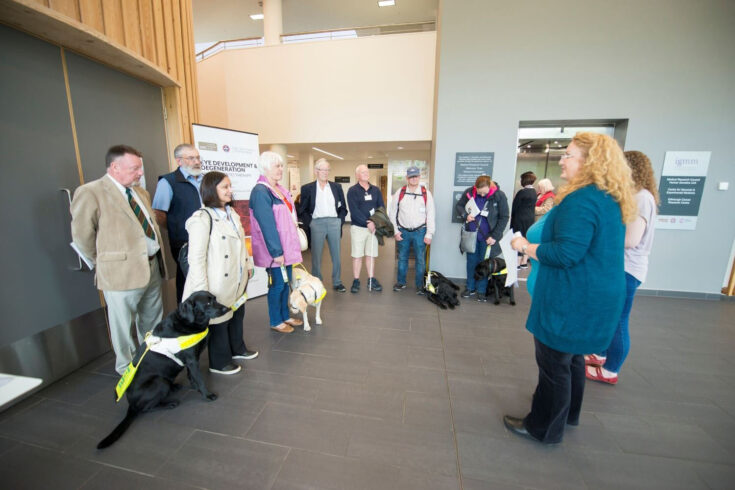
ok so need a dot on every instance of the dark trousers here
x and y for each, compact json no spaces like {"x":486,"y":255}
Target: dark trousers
{"x":558,"y":397}
{"x":180,"y":277}
{"x":225,"y":340}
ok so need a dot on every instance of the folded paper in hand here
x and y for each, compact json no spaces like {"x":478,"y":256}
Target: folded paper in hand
{"x":471,"y":208}
{"x":81,"y":255}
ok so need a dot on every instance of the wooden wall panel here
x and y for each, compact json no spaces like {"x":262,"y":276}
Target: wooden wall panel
{"x":90,"y":13}
{"x":70,"y":8}
{"x":131,"y":25}
{"x":190,"y":61}
{"x":147,"y":30}
{"x":113,"y":17}
{"x":168,"y":21}
{"x":178,"y":49}
{"x":160,"y":34}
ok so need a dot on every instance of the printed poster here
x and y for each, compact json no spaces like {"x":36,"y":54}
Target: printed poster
{"x":234,"y":153}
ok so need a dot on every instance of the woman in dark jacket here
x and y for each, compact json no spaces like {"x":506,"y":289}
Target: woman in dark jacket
{"x":522,"y":213}
{"x":489,"y":224}
{"x":580,"y":290}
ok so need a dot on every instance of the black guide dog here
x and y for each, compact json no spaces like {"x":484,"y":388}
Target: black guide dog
{"x":153,"y":383}
{"x":444,"y":292}
{"x":496,"y":283}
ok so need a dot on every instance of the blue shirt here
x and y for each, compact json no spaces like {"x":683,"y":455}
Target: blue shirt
{"x":164,"y":192}
{"x":533,"y":235}
{"x":363,"y":203}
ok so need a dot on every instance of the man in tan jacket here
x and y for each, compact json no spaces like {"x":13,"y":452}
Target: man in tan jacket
{"x":112,"y":224}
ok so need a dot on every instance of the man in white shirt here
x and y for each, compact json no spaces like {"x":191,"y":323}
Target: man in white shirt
{"x":412,"y":214}
{"x":112,"y":225}
{"x":323,"y":209}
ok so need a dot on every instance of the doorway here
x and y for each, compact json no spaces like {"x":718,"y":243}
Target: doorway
{"x":541,"y":143}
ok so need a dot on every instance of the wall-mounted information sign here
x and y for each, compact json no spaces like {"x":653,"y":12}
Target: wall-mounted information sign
{"x":681,"y":188}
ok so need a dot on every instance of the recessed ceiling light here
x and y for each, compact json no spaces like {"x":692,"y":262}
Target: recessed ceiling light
{"x":326,"y":152}
{"x":290,"y":156}
{"x":257,"y":16}
{"x":370,"y":156}
{"x":386,"y":3}
{"x":555,"y":142}
{"x":400,"y":147}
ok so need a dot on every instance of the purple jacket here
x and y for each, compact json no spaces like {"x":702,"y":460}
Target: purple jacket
{"x":272,"y":226}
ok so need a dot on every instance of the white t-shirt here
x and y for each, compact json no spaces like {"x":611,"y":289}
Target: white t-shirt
{"x":636,"y":258}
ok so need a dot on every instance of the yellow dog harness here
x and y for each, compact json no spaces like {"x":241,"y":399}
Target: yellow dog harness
{"x":168,"y":347}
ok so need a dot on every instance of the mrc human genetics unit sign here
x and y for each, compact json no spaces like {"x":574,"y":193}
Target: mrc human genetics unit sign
{"x":681,"y":189}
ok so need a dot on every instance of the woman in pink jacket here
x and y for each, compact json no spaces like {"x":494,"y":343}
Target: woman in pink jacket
{"x":275,"y":238}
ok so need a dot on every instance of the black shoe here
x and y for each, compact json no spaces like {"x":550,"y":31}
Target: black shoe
{"x":340,"y":288}
{"x":228,"y":369}
{"x":398,"y":286}
{"x":517,"y":426}
{"x":482,"y":298}
{"x":421,"y":292}
{"x":467,"y":293}
{"x":248,"y":354}
{"x":523,"y":266}
{"x":355,"y":286}
{"x":374,"y":285}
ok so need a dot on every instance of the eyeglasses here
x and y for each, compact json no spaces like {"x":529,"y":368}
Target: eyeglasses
{"x":322,"y":169}
{"x":564,"y":156}
{"x":196,"y":159}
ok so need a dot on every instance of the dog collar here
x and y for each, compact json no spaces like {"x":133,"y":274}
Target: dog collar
{"x":504,"y":271}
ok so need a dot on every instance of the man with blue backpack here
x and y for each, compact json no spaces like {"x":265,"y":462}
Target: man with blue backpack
{"x":412,"y":214}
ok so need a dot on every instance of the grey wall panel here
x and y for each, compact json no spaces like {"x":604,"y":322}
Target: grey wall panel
{"x":113,"y":108}
{"x":664,"y":65}
{"x":39,"y":288}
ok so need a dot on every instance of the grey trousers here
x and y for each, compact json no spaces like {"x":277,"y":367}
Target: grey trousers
{"x":329,"y":229}
{"x":144,"y":306}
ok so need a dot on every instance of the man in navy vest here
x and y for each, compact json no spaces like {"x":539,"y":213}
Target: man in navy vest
{"x":177,"y":197}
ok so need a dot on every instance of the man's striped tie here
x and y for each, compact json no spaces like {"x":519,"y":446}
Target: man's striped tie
{"x":147,"y":228}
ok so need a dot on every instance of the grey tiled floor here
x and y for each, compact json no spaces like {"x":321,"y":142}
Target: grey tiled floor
{"x":392,"y":393}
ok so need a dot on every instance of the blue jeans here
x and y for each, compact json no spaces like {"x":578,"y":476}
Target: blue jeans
{"x":472,"y":261}
{"x":278,"y":292}
{"x":416,"y":239}
{"x":620,"y":343}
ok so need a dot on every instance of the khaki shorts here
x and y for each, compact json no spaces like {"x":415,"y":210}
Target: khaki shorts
{"x":363,"y":242}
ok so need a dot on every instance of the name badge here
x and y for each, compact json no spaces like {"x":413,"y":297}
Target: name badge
{"x":484,"y":213}
{"x":368,"y":197}
{"x":372,"y":211}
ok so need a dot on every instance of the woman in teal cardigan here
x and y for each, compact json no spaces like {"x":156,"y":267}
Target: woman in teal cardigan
{"x":580,"y":289}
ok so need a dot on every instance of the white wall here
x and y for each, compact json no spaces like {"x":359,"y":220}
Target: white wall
{"x":378,"y":88}
{"x":666,"y":65}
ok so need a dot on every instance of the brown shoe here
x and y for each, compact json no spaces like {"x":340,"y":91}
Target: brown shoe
{"x":294,"y":322}
{"x":283,"y":328}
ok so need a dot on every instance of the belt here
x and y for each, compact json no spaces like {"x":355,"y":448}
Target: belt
{"x":411,"y":229}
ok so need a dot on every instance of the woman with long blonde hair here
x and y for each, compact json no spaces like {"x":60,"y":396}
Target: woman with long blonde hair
{"x":580,"y":288}
{"x":604,"y":366}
